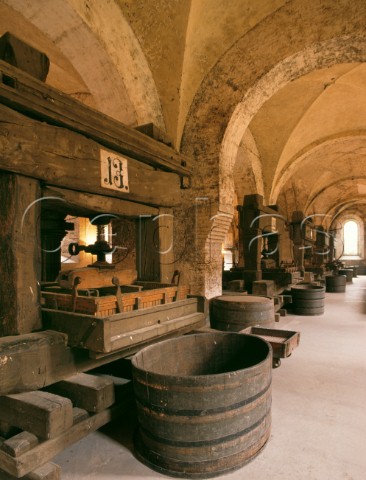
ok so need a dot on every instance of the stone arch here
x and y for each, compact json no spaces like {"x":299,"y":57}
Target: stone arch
{"x":247,"y":170}
{"x":339,"y":181}
{"x":324,"y":34}
{"x":342,"y":50}
{"x":76,"y":28}
{"x":337,"y":50}
{"x":285,"y":173}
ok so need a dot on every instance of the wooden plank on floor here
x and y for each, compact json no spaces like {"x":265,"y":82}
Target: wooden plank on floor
{"x":90,"y":392}
{"x":49,"y":471}
{"x":78,"y":415}
{"x":19,"y":444}
{"x":27,"y":361}
{"x":45,"y":451}
{"x":41,"y":413}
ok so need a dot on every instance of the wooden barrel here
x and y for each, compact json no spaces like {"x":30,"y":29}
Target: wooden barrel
{"x":236,"y":312}
{"x":335,"y":283}
{"x":348,"y":272}
{"x":203,"y":403}
{"x":308,"y":299}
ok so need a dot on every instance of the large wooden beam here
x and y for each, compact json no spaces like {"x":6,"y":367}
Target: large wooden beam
{"x":19,"y":255}
{"x":37,"y":360}
{"x":66,"y":159}
{"x":32,"y":97}
{"x":44,"y":414}
{"x":45,"y":451}
{"x":87,"y":204}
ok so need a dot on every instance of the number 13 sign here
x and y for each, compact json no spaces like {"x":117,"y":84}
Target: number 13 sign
{"x":114,"y":171}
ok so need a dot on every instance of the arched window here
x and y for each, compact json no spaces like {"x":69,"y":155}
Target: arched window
{"x":351,"y":238}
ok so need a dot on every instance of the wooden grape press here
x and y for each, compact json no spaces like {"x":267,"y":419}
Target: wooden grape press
{"x":60,"y":158}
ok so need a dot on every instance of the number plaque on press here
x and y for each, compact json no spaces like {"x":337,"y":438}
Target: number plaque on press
{"x":114,"y":171}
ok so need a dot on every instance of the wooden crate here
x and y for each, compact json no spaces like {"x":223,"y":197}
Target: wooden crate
{"x":106,"y":305}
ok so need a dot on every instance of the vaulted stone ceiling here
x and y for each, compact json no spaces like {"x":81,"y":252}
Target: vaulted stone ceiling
{"x":267,"y":96}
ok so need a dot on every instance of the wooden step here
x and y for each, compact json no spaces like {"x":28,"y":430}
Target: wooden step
{"x":90,"y":392}
{"x":24,"y":453}
{"x":19,"y":444}
{"x":46,"y":450}
{"x":49,"y":471}
{"x":41,"y":413}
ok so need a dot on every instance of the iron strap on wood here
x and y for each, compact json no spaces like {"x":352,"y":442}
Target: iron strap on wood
{"x":34,"y":98}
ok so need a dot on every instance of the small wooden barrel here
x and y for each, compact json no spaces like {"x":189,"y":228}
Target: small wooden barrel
{"x":348,"y":272}
{"x":308,"y":299}
{"x":203,"y":403}
{"x":236,"y":312}
{"x":335,"y":283}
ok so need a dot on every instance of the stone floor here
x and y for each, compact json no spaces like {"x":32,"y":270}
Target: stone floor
{"x":319,"y":409}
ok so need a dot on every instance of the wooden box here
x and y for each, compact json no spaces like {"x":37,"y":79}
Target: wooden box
{"x":105,"y":304}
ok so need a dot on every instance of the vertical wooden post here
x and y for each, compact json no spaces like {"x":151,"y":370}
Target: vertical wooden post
{"x":155,"y":254}
{"x":297,"y":237}
{"x":252,"y":242}
{"x":166,"y":244}
{"x":20,"y":249}
{"x":147,"y":251}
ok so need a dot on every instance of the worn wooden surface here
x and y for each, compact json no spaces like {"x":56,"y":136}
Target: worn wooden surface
{"x":122,"y":330}
{"x":41,"y":413}
{"x":66,"y":159}
{"x":90,"y":392}
{"x":283,"y":342}
{"x":45,"y":451}
{"x":96,"y":278}
{"x":38,"y":100}
{"x":113,"y":302}
{"x":208,"y":409}
{"x":88,"y":205}
{"x":21,"y":55}
{"x":19,"y":254}
{"x":31,"y":361}
{"x":78,"y":415}
{"x":166,"y":244}
{"x":147,"y":248}
{"x":20,"y":443}
{"x":154,"y":132}
{"x":39,"y":359}
{"x":49,"y":471}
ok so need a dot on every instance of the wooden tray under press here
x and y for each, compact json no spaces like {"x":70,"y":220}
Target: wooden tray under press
{"x":150,"y":295}
{"x":283,"y":342}
{"x":123,"y":330}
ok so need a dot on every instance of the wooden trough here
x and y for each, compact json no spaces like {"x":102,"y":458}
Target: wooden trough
{"x":107,"y":323}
